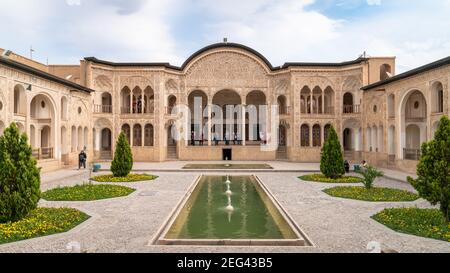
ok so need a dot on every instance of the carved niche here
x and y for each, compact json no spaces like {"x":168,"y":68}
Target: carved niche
{"x":227,"y":69}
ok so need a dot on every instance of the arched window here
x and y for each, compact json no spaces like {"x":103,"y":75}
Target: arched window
{"x":106,"y":103}
{"x":81,"y":144}
{"x":348,"y":103}
{"x":316,"y":133}
{"x":19,"y":100}
{"x":148,"y":134}
{"x":391,"y":106}
{"x":282,"y":108}
{"x":64,"y":108}
{"x":127,"y":131}
{"x":74,"y":139}
{"x":137,"y":100}
{"x":137,"y":135}
{"x":304,"y":135}
{"x":126,"y":100}
{"x":305,"y":95}
{"x":385,"y":72}
{"x":368,"y":139}
{"x":438,"y":98}
{"x":171,"y":103}
{"x":149,"y":100}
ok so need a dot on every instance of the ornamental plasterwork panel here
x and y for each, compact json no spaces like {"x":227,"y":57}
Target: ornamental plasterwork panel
{"x":103,"y":82}
{"x":282,"y":86}
{"x":227,"y":69}
{"x":352,"y":83}
{"x":133,"y":81}
{"x":172,"y":86}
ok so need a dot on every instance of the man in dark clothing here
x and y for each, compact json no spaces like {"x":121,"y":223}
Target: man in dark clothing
{"x":82,"y":158}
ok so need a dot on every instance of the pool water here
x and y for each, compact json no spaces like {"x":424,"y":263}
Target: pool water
{"x":204,"y":215}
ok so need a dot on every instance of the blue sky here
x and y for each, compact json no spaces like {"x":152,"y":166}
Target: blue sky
{"x":65,"y":31}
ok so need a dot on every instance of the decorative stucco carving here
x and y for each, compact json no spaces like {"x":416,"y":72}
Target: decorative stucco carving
{"x":352,"y":83}
{"x":136,"y":81}
{"x":172,"y":86}
{"x":103,"y":82}
{"x":281,"y":86}
{"x":227,"y":69}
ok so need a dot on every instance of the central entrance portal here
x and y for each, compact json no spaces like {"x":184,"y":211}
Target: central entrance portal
{"x":227,"y":154}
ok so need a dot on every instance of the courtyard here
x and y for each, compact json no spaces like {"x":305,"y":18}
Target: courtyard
{"x":128,"y":224}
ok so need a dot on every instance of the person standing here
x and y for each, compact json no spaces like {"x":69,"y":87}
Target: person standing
{"x":82,"y":158}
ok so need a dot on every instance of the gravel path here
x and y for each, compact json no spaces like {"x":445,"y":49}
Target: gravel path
{"x":127,"y":224}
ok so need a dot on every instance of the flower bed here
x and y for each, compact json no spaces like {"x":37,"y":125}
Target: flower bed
{"x":373,"y":195}
{"x":41,"y":222}
{"x":128,"y":178}
{"x":86,"y":192}
{"x":323,"y":179}
{"x":420,"y":222}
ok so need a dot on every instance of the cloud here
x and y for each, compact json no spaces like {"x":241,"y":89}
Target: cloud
{"x":289,"y":30}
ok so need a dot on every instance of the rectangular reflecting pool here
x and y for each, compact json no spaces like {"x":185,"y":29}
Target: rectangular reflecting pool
{"x":227,"y":167}
{"x":236,"y":210}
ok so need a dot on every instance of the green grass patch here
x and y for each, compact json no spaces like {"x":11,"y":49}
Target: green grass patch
{"x":373,"y":195}
{"x":41,"y":222}
{"x":129,"y":178}
{"x":86,"y":192}
{"x":428,"y":223}
{"x":323,"y":179}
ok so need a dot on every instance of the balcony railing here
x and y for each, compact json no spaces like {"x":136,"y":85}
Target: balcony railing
{"x":103,"y":109}
{"x":352,"y":109}
{"x":42,"y":153}
{"x":137,"y":110}
{"x":411,"y":154}
{"x":327,"y":111}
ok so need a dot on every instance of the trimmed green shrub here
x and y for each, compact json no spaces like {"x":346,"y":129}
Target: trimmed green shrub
{"x":332,"y":160}
{"x":19,"y":176}
{"x":123,"y":159}
{"x":433,"y":171}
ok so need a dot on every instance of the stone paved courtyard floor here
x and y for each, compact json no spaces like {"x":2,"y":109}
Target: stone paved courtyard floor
{"x":127,"y":224}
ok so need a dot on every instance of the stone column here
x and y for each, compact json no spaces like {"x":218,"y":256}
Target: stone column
{"x":131,"y":134}
{"x":243,"y":136}
{"x":131,"y":102}
{"x":209,"y":125}
{"x":98,"y":136}
{"x":323,"y":102}
{"x":143,"y":134}
{"x":143,"y":102}
{"x":310,"y":136}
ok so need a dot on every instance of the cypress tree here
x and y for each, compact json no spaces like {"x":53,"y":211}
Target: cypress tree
{"x":19,"y":176}
{"x":433,"y":170}
{"x":332,"y":160}
{"x":123,"y":158}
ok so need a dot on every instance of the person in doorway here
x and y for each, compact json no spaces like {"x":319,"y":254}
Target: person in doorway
{"x":82,"y":158}
{"x":192,"y":138}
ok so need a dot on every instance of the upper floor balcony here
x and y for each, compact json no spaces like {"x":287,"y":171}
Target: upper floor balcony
{"x":103,"y":109}
{"x":351,"y":109}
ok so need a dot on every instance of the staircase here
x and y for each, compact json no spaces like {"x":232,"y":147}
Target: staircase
{"x":282,"y":153}
{"x":172,"y":153}
{"x":106,"y":155}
